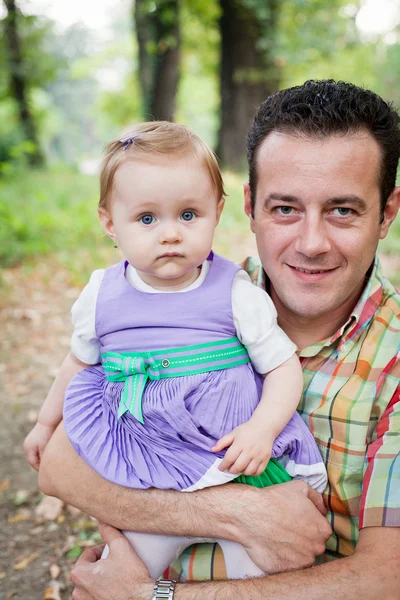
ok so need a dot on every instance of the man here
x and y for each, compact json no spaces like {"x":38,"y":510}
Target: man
{"x":323,"y":160}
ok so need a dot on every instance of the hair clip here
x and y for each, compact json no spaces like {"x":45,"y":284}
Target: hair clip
{"x":128,"y":141}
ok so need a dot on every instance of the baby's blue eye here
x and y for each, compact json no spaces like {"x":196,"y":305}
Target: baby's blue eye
{"x":188,"y":215}
{"x":147,"y":219}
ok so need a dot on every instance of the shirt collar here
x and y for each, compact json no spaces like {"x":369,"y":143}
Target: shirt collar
{"x":360,"y":316}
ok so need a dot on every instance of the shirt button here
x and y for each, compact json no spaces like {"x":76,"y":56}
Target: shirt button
{"x":165,"y":363}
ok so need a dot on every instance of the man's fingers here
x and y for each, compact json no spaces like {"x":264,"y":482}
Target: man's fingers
{"x":110,"y":534}
{"x":92,"y":555}
{"x":316,"y":499}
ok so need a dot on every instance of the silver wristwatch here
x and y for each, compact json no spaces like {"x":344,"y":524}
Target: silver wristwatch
{"x":164,"y":589}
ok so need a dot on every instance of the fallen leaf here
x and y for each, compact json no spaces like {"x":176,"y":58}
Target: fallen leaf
{"x":4,"y":485}
{"x":2,"y":575}
{"x":21,"y":496}
{"x":49,"y":508}
{"x":52,"y":592}
{"x":55,"y":570}
{"x":75,"y":552}
{"x":32,"y":416}
{"x":37,"y":530}
{"x":21,"y":516}
{"x":25,"y":562}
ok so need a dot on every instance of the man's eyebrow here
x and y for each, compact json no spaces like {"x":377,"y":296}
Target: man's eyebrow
{"x":286,"y":198}
{"x":352,"y":200}
{"x":347,"y":199}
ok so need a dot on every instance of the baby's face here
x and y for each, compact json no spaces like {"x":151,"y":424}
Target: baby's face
{"x":162,"y":216}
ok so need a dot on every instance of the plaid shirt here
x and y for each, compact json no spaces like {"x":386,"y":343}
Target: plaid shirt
{"x":351,"y":403}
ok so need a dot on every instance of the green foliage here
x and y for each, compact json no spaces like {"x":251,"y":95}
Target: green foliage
{"x":198,"y":98}
{"x":49,"y":212}
{"x":38,"y":67}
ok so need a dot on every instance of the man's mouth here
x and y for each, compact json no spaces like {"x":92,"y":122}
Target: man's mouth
{"x":311,"y":271}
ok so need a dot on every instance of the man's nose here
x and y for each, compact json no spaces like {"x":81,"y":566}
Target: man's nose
{"x":170,"y":234}
{"x":313,"y":238}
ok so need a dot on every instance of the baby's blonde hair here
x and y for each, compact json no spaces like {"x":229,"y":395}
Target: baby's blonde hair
{"x":156,"y":138}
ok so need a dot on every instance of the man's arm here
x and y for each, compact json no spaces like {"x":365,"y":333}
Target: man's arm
{"x":372,"y":572}
{"x":281,"y":527}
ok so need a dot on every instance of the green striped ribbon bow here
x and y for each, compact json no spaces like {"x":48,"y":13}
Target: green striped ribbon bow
{"x":136,"y":368}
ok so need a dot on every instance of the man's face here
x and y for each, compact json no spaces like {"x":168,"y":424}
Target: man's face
{"x":317,"y":219}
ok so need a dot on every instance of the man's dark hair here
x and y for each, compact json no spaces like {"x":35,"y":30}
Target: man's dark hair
{"x":324,"y":108}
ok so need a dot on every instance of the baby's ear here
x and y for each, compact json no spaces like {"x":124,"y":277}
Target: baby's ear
{"x":220,"y":207}
{"x":106,"y":223}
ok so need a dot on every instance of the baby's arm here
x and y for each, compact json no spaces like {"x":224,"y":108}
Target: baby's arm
{"x":272,"y":353}
{"x":251,"y":443}
{"x":84,"y":344}
{"x":50,"y":414}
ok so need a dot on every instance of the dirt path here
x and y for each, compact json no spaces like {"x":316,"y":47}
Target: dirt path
{"x":35,"y":331}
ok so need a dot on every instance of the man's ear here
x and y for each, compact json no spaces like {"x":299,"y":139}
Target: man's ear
{"x":106,"y":223}
{"x":247,"y":206}
{"x":390,"y":212}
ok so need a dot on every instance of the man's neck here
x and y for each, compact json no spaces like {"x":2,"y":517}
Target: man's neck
{"x":305,"y":331}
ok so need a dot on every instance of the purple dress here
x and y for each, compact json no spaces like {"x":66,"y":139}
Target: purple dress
{"x":183,"y":416}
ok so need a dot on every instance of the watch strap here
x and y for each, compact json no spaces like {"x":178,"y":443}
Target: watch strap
{"x":164,"y":589}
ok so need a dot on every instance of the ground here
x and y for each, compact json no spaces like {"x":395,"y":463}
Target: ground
{"x":35,"y":328}
{"x":37,"y":550}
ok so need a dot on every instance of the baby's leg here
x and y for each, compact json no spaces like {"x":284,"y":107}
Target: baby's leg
{"x":237,"y":562}
{"x":156,"y":551}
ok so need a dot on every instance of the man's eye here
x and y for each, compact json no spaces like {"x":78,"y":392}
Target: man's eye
{"x":284,"y":210}
{"x":147,"y":219}
{"x":188,"y":215}
{"x":342,"y":211}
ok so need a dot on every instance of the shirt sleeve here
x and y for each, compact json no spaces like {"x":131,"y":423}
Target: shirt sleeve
{"x":84,"y":343}
{"x":255,"y":319}
{"x":380,"y":495}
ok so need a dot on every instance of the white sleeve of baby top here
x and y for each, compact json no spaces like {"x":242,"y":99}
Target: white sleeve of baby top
{"x":255,"y":319}
{"x":84,"y":342}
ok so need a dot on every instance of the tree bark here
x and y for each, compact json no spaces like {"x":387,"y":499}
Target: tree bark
{"x":18,"y":81}
{"x":159,"y":43}
{"x":248,"y":73}
{"x":144,"y":29}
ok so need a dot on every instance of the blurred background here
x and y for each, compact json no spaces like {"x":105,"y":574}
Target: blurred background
{"x":72,"y":74}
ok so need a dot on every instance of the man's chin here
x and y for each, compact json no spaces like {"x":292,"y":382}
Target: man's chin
{"x":311,"y":308}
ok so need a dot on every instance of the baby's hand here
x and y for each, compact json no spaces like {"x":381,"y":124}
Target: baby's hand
{"x":249,"y":452}
{"x":35,"y":443}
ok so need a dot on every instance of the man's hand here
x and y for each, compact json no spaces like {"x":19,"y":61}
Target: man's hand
{"x":250,"y":448}
{"x":282,"y":527}
{"x":120,"y":576}
{"x":36,"y":442}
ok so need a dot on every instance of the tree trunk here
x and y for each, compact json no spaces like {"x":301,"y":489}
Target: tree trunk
{"x":166,"y":72}
{"x":144,"y":29}
{"x":159,"y":42}
{"x":18,"y":83}
{"x":247,"y":75}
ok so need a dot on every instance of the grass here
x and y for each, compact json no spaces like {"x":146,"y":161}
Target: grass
{"x":53,"y":213}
